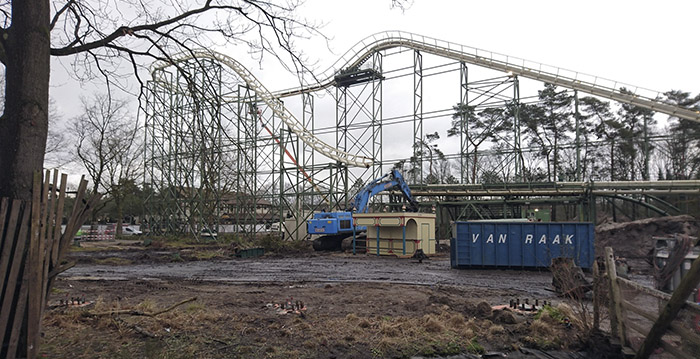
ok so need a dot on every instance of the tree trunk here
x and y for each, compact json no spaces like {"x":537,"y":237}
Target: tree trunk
{"x":612,"y":160}
{"x":24,"y":125}
{"x":120,"y":213}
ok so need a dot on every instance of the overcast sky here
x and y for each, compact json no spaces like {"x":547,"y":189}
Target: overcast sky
{"x":650,"y":44}
{"x":647,"y":43}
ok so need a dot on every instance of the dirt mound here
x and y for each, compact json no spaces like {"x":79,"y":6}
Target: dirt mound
{"x":634,"y":239}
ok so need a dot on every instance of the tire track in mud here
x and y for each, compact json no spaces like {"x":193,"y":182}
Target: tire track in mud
{"x":327,"y":268}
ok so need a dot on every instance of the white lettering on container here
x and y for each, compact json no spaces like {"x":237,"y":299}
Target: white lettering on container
{"x":503,"y":237}
{"x":556,"y":240}
{"x":568,"y":239}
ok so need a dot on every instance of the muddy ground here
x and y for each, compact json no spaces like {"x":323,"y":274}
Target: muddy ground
{"x":336,"y":305}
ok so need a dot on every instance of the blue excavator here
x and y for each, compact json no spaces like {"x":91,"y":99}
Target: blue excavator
{"x":333,"y":227}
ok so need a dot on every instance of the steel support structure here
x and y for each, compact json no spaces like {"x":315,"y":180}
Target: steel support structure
{"x":577,"y":141}
{"x":184,"y":154}
{"x":359,"y":125}
{"x":376,"y":118}
{"x":517,"y":147}
{"x":220,"y":152}
{"x":339,"y":184}
{"x":416,"y":175}
{"x":463,"y":124}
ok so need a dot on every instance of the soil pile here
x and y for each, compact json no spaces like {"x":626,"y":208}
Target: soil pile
{"x":634,"y":239}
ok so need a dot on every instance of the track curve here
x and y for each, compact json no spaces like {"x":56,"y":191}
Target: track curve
{"x":356,"y":55}
{"x":274,"y":104}
{"x":575,"y":80}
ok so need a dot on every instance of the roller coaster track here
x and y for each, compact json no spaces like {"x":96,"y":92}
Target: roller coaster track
{"x":273,"y":103}
{"x":364,"y":49}
{"x":593,"y":85}
{"x":609,"y":188}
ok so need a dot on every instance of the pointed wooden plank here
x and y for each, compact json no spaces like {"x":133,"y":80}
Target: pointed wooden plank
{"x":73,"y":220}
{"x":35,"y":270}
{"x":85,"y":213}
{"x":9,"y":240}
{"x":77,"y":219}
{"x":51,"y":217}
{"x":19,"y":316}
{"x":58,"y":237}
{"x":50,"y":224}
{"x":4,"y":204}
{"x":19,"y":257}
{"x":59,"y":220}
{"x":38,"y":291}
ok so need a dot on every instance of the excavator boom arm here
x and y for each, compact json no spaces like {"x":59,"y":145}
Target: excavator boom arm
{"x":386,"y":182}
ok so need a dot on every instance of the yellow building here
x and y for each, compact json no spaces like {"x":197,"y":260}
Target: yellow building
{"x":398,"y":233}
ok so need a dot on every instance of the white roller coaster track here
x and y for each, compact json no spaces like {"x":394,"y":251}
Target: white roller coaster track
{"x":528,"y":69}
{"x":394,"y":39}
{"x":273,"y":103}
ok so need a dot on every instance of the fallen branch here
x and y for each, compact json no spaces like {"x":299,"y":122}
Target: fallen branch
{"x":138,"y":312}
{"x":134,"y":327}
{"x":174,"y":306}
{"x":143,"y":332}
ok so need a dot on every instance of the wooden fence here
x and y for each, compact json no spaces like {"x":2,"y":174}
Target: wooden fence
{"x":32,"y":248}
{"x":649,"y":322}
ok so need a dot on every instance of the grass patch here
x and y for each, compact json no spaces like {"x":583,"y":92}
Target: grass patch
{"x":551,"y":312}
{"x":474,"y":347}
{"x":273,"y":243}
{"x":55,"y":290}
{"x":551,"y":329}
{"x":209,"y":254}
{"x":93,"y":248}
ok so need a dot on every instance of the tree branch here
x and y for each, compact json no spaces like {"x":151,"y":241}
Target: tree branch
{"x":71,"y":49}
{"x":60,"y":12}
{"x":138,"y":312}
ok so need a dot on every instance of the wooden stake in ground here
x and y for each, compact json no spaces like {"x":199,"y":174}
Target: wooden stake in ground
{"x":615,"y":295}
{"x":688,"y":283}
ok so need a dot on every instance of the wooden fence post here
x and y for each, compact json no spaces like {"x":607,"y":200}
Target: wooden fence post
{"x":615,"y":295}
{"x":688,"y":283}
{"x":596,"y":296}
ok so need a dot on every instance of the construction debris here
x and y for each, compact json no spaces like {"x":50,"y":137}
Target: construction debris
{"x":523,"y":305}
{"x":634,"y":239}
{"x":289,"y":306}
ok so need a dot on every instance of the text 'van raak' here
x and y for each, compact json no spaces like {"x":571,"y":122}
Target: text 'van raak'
{"x":568,"y":238}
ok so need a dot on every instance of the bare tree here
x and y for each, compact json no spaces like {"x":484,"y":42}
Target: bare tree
{"x":109,"y":146}
{"x":97,"y":132}
{"x":125,"y":168}
{"x":115,"y":41}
